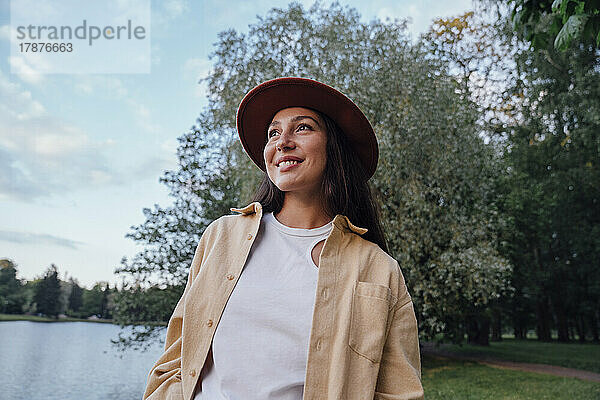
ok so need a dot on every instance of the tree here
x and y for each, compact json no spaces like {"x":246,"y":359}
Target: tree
{"x":29,"y":290}
{"x":535,"y":86}
{"x":480,"y":49}
{"x":75,"y":296}
{"x":434,"y":174}
{"x":95,"y":301}
{"x":12,"y":297}
{"x":553,"y":193}
{"x":105,"y":309}
{"x":558,"y":22}
{"x":149,"y":306}
{"x":47,"y":293}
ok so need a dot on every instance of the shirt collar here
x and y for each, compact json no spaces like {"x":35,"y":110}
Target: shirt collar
{"x":341,"y":221}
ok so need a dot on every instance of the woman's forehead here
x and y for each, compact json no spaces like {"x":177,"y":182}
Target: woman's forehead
{"x":292,"y":112}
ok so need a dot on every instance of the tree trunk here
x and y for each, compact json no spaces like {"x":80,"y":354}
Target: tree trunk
{"x":571,"y":331}
{"x":478,"y":330}
{"x":519,"y":332}
{"x":542,"y":305}
{"x":496,"y":326}
{"x":484,"y":333}
{"x":543,"y":319}
{"x":561,"y":322}
{"x":519,"y":316}
{"x":579,"y":325}
{"x":594,"y":328}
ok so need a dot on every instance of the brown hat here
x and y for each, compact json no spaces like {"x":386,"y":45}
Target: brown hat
{"x":259,"y":106}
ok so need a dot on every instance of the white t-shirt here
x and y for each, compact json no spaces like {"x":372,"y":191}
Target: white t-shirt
{"x":260,"y":347}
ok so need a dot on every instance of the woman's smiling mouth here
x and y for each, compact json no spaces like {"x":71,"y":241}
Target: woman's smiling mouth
{"x":287,"y":165}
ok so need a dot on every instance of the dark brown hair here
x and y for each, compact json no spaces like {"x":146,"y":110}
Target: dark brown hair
{"x":344,"y":189}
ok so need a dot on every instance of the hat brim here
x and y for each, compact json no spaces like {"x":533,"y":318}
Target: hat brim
{"x":259,"y":106}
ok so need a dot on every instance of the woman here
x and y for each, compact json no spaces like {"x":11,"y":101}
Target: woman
{"x":290,"y":299}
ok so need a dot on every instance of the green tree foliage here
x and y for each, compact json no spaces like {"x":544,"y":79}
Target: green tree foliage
{"x":480,"y":49}
{"x":12,"y":297}
{"x":549,"y":95}
{"x":435,"y":172}
{"x":152,"y":306}
{"x":558,"y":22}
{"x":553,"y":190}
{"x":29,"y":290}
{"x":95,"y":301}
{"x":480,"y":53}
{"x":75,"y":296}
{"x":47,"y":293}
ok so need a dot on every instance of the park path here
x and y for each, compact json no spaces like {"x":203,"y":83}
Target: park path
{"x":430,"y":349}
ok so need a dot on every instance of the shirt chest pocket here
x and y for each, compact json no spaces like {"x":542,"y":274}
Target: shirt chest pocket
{"x":371,"y":303}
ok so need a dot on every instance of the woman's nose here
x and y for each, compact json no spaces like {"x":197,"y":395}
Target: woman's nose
{"x":285,"y":140}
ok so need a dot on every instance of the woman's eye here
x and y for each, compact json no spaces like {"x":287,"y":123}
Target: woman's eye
{"x":300,"y":127}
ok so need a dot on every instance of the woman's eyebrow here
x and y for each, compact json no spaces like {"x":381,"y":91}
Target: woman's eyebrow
{"x":296,"y":119}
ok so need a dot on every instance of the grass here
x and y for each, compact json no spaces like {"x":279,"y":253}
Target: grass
{"x":451,"y":379}
{"x":571,"y":355}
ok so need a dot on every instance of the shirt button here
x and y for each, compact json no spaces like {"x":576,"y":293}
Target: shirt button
{"x":249,"y":236}
{"x":209,"y":322}
{"x":230,"y":277}
{"x":318,"y":345}
{"x":193,"y":372}
{"x":324,"y":293}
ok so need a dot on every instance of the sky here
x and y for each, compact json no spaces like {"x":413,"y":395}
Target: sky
{"x":81,"y":153}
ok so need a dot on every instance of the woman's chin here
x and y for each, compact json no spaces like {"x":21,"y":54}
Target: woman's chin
{"x":286,"y":187}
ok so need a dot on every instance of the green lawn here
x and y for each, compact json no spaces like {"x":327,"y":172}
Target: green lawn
{"x":571,"y":355}
{"x":451,"y":379}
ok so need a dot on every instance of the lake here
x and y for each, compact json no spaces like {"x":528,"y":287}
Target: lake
{"x":70,"y":361}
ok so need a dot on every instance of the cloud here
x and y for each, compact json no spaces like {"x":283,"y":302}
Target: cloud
{"x":152,"y":166}
{"x":114,"y":87}
{"x":175,"y":8}
{"x":422,"y":13}
{"x":394,"y":12}
{"x":195,"y":69}
{"x":40,"y":154}
{"x":34,"y":10}
{"x":143,"y":117}
{"x":90,"y":84}
{"x":38,"y":239}
{"x":15,"y":180}
{"x":27,"y":72}
{"x":166,"y":12}
{"x":5,"y":32}
{"x":18,"y":104}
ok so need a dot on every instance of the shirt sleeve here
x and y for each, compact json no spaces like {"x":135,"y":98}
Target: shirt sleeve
{"x":400,"y":369}
{"x":164,"y":379}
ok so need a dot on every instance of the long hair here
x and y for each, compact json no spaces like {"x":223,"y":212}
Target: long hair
{"x":344,"y":188}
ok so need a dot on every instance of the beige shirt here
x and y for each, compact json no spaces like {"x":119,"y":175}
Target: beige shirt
{"x":363,"y":341}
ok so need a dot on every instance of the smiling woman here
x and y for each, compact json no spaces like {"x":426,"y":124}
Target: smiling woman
{"x":295,"y":153}
{"x":297,"y":297}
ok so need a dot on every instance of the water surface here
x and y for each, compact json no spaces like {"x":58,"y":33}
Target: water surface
{"x":70,"y":361}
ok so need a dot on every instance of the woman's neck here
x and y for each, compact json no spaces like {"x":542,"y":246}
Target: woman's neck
{"x":302,"y":212}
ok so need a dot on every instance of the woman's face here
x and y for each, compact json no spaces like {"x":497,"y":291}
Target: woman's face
{"x":297,"y":133}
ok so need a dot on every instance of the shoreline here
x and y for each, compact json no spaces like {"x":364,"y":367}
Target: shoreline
{"x":35,"y":318}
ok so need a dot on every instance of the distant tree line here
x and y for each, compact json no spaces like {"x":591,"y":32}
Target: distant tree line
{"x":50,"y":296}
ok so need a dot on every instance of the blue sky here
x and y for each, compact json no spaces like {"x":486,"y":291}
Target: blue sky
{"x":81,"y":154}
